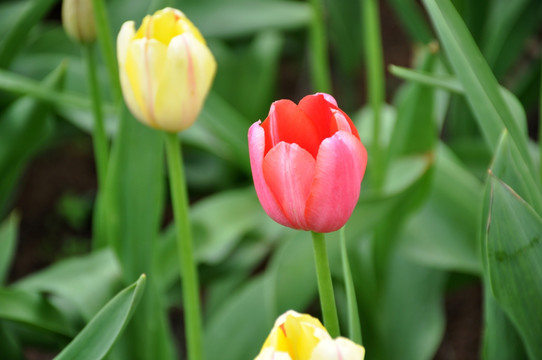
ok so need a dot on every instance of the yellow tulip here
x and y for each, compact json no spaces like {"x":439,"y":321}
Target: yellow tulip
{"x":166,"y":70}
{"x":301,"y":337}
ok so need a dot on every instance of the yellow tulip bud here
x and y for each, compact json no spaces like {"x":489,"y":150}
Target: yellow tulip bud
{"x":166,"y":70}
{"x":78,"y":20}
{"x":301,"y":337}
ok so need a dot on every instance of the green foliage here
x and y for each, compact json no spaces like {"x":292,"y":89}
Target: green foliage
{"x":461,"y":123}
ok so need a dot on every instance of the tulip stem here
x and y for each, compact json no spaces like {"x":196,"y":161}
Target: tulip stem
{"x":321,"y":79}
{"x":375,"y":77}
{"x":325,"y":285}
{"x":189,"y":274}
{"x":99,"y":137}
{"x":354,"y":328}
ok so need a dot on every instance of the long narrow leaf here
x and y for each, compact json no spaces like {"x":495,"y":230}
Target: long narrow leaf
{"x":8,"y":241}
{"x":473,"y":72}
{"x":100,"y":334}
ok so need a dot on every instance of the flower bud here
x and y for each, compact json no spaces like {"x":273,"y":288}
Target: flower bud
{"x":307,"y":162}
{"x":166,"y":70}
{"x":78,"y":20}
{"x":301,"y":337}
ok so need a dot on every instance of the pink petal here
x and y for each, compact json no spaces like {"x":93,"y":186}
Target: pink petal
{"x":288,"y":170}
{"x":340,"y":167}
{"x":256,"y":147}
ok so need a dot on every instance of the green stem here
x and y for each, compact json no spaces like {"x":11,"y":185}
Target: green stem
{"x":321,"y":79}
{"x":106,"y":44}
{"x":354,"y":328}
{"x":99,"y":137}
{"x":540,"y":124}
{"x":325,"y":285}
{"x":189,"y":275}
{"x":375,"y":77}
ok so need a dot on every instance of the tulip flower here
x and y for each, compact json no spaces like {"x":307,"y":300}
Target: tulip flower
{"x":78,"y":20}
{"x":166,"y":70}
{"x":301,"y":337}
{"x":307,"y":163}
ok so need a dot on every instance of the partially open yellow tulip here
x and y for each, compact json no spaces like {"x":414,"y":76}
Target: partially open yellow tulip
{"x":166,"y":70}
{"x":301,"y":337}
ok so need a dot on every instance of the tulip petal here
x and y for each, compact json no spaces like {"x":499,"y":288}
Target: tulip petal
{"x":338,"y":349}
{"x":287,"y":122}
{"x":256,"y":147}
{"x":271,"y":354}
{"x":126,"y":34}
{"x":340,"y":167}
{"x":289,"y":171}
{"x":189,"y":71}
{"x":318,"y":109}
{"x":144,"y":66}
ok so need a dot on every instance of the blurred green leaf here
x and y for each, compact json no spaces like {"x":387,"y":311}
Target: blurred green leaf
{"x":510,"y":24}
{"x":9,"y":346}
{"x":87,"y":281}
{"x":411,"y":16}
{"x":8,"y":243}
{"x":241,"y":325}
{"x":32,"y":12}
{"x":451,"y":84}
{"x":292,"y":274}
{"x":513,"y":249}
{"x":415,"y":130}
{"x":220,"y":222}
{"x":248,"y":66}
{"x":222,"y":130}
{"x":96,"y":339}
{"x":24,"y":128}
{"x":33,"y":309}
{"x":412,"y":314}
{"x":481,"y":87}
{"x":431,"y":236}
{"x":243,"y":18}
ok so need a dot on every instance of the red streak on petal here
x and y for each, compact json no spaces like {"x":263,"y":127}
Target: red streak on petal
{"x":190,"y":68}
{"x":283,"y":330}
{"x":150,"y":96}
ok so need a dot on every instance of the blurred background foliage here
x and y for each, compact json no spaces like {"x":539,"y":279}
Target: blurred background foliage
{"x":444,"y":244}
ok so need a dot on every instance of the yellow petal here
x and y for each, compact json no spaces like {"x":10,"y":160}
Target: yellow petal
{"x":271,"y":354}
{"x":145,"y":63}
{"x":190,"y":69}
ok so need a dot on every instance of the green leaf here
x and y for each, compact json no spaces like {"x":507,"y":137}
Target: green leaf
{"x":241,"y":325}
{"x":33,"y":11}
{"x":96,"y":339}
{"x":431,"y":236}
{"x":24,"y":129}
{"x":242,"y":18}
{"x":223,"y":131}
{"x":500,"y":339}
{"x":8,"y":242}
{"x":412,"y":314}
{"x":509,"y":167}
{"x":33,"y":309}
{"x":220,"y":222}
{"x":244,"y":66}
{"x":410,"y":15}
{"x":481,"y":87}
{"x":415,"y":130}
{"x":513,"y":249}
{"x":87,"y":281}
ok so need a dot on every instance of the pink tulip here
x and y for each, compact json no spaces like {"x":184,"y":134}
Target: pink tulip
{"x":307,"y":163}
